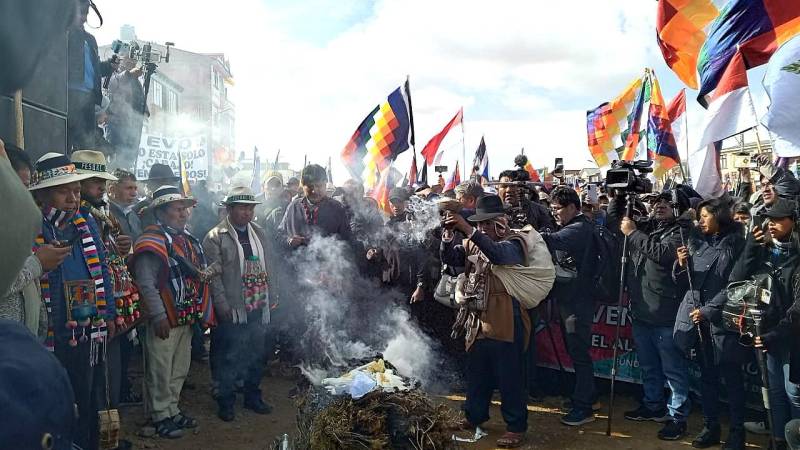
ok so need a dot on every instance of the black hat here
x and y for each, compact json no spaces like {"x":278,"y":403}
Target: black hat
{"x":781,"y":208}
{"x":36,"y":400}
{"x":488,"y":207}
{"x":677,"y":198}
{"x":161,"y":172}
{"x":399,"y":193}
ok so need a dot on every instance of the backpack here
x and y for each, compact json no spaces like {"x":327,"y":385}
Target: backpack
{"x":531,"y":283}
{"x":609,"y":255}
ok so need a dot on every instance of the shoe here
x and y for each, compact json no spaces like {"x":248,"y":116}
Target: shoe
{"x":184,"y":421}
{"x":736,"y":439}
{"x":708,"y":437}
{"x":258,"y":406}
{"x":757,"y":427}
{"x":167,"y":428}
{"x":226,"y":413}
{"x":672,"y":431}
{"x":511,"y":440}
{"x":577,"y":417}
{"x":567,"y":404}
{"x":643,"y":414}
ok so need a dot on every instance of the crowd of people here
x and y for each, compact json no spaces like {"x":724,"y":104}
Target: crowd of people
{"x":121,"y":268}
{"x":114,"y":273}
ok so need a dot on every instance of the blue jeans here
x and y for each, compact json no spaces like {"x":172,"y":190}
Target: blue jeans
{"x":784,"y":396}
{"x":662,"y":361}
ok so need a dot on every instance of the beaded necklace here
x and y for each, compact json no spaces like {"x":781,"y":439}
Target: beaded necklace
{"x":311,"y":211}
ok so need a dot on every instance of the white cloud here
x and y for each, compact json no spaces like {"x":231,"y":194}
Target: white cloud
{"x":524,"y":71}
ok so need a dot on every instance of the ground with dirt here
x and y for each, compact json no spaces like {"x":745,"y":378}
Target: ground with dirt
{"x":253,"y":432}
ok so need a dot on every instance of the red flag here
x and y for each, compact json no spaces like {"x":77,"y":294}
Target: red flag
{"x":453,"y":181}
{"x":381,"y":192}
{"x":532,"y":172}
{"x":412,"y":173}
{"x":432,"y":147}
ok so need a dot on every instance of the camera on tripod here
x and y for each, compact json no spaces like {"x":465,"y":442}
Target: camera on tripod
{"x":142,"y":53}
{"x":630,"y":177}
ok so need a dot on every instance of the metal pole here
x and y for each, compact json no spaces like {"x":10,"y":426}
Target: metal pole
{"x":463,"y":148}
{"x":20,"y":121}
{"x":761,"y":358}
{"x":623,"y":273}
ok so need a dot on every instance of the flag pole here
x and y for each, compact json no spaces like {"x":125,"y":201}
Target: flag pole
{"x":685,"y":171}
{"x":412,"y":141}
{"x":463,"y":148}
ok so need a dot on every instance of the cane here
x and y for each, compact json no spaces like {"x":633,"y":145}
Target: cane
{"x":623,"y":273}
{"x":701,"y":348}
{"x":761,"y":358}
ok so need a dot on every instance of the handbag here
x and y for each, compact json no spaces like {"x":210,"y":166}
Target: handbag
{"x":446,"y":289}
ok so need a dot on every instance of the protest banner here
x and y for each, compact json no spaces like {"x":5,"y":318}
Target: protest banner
{"x":551,"y":352}
{"x":155,"y":148}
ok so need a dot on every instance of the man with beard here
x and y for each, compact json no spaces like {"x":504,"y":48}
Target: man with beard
{"x":78,"y":294}
{"x":241,"y":302}
{"x":497,"y":329}
{"x":314,"y":212}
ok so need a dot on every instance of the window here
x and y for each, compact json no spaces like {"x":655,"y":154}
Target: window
{"x":172,"y":102}
{"x":723,"y":161}
{"x":158,"y":94}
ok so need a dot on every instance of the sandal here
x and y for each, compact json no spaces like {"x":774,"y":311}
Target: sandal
{"x":167,"y":428}
{"x":184,"y":421}
{"x":511,"y":440}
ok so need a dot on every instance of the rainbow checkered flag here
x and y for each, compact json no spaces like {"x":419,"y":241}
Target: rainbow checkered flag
{"x":381,"y":136}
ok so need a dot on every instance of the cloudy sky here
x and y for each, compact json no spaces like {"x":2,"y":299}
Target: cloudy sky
{"x":308,"y":71}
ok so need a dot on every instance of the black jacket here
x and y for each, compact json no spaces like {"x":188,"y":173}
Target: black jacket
{"x":655,"y":295}
{"x":75,"y":61}
{"x":575,"y":239}
{"x":780,"y":325}
{"x":712,"y":261}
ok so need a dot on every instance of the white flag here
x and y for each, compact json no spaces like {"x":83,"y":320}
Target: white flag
{"x":782,"y":83}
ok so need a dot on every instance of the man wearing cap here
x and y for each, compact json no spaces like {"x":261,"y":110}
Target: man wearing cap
{"x":497,"y":328}
{"x":313,"y":212}
{"x":655,"y":297}
{"x":159,"y":175}
{"x":168,"y":265}
{"x":78,"y":294}
{"x":240,"y":296}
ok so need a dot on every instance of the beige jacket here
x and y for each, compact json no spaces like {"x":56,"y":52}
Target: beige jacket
{"x":220,"y":246}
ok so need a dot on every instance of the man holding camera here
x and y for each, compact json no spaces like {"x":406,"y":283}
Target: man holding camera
{"x":521,"y":202}
{"x":126,"y":113}
{"x":575,"y":241}
{"x":654,"y":300}
{"x":85,"y":70}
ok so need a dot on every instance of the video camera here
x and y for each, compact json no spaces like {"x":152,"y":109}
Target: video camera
{"x":143,"y":54}
{"x":630,"y":177}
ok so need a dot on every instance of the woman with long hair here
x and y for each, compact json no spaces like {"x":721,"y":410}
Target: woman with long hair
{"x":709,"y":258}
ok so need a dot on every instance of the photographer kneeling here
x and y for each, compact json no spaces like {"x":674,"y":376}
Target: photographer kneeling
{"x":776,"y":251}
{"x":708,"y":258}
{"x":654,"y":300}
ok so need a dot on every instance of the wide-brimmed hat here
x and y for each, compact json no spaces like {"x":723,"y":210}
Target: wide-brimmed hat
{"x":161,"y":172}
{"x":170,"y":194}
{"x":241,"y":195}
{"x":488,"y":207}
{"x":54,"y":169}
{"x":92,"y":162}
